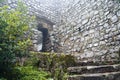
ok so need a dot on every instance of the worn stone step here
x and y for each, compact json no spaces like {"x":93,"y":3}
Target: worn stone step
{"x":96,"y":63}
{"x":94,"y":69}
{"x":96,"y":76}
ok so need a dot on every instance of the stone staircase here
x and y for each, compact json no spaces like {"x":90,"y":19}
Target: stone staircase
{"x":99,"y":70}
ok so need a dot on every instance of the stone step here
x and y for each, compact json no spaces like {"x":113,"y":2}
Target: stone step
{"x":96,"y":63}
{"x":93,"y":69}
{"x":96,"y":76}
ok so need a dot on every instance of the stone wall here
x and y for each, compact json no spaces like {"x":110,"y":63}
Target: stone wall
{"x":90,"y":29}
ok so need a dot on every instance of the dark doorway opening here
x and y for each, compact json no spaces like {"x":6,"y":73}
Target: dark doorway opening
{"x":46,"y":38}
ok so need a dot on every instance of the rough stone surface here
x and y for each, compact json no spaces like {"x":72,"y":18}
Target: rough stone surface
{"x":93,"y":26}
{"x":87,"y":28}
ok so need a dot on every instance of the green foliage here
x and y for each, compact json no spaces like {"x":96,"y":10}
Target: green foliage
{"x":30,"y":73}
{"x":14,"y":40}
{"x":59,"y":74}
{"x":26,"y":73}
{"x":3,"y":79}
{"x":56,"y":64}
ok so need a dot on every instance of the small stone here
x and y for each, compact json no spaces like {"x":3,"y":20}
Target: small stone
{"x":84,"y":21}
{"x":106,"y":36}
{"x":90,"y":45}
{"x":109,"y":15}
{"x":78,"y":49}
{"x":118,"y":37}
{"x":106,"y":25}
{"x":108,"y":30}
{"x":34,"y":41}
{"x":103,"y":52}
{"x":102,"y":42}
{"x":87,"y":38}
{"x":72,"y":38}
{"x":114,"y":19}
{"x":113,"y":29}
{"x":82,"y":39}
{"x":96,"y":12}
{"x":85,"y":33}
{"x":95,"y":40}
{"x":97,"y":34}
{"x":96,"y":44}
{"x":118,"y":25}
{"x":110,"y":4}
{"x":106,"y":13}
{"x":118,"y":13}
{"x":91,"y":31}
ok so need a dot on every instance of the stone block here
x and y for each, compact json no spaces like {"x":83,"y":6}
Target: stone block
{"x":95,"y":44}
{"x":118,"y":13}
{"x":85,"y":21}
{"x":91,"y":31}
{"x":114,"y":18}
{"x":102,"y":42}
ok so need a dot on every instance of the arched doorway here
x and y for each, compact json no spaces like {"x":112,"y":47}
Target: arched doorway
{"x":46,"y":38}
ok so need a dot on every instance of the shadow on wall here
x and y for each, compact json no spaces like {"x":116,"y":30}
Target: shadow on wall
{"x":46,"y":38}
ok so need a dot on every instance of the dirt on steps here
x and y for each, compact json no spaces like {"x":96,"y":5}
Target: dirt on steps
{"x":99,"y":70}
{"x":93,"y":69}
{"x":96,"y":76}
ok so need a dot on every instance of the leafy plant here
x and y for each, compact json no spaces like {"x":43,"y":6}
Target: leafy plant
{"x":14,"y":25}
{"x":30,"y":73}
{"x":3,"y":79}
{"x":56,"y":64}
